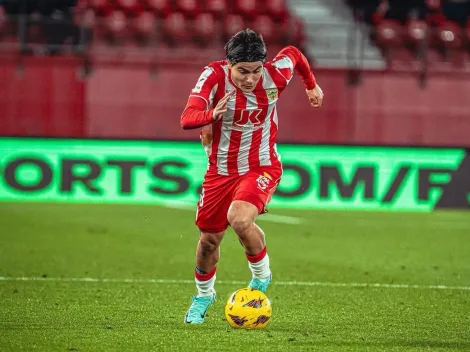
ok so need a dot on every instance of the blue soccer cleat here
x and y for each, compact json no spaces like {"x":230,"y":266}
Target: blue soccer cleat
{"x":260,"y":285}
{"x":197,"y":312}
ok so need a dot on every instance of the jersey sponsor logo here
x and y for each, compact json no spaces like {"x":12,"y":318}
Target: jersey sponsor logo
{"x":272,"y":94}
{"x":250,"y":117}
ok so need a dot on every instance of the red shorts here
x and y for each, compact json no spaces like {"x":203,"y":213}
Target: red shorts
{"x":256,"y":187}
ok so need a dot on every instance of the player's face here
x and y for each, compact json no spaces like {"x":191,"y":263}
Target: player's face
{"x":246,"y":74}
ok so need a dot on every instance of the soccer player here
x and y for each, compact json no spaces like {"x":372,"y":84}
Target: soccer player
{"x":234,"y":102}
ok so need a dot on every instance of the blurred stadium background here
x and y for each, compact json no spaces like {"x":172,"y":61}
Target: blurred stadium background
{"x":397,"y":71}
{"x":91,"y":92}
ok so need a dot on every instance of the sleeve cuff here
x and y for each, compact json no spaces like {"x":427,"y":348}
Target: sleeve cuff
{"x":310,"y":83}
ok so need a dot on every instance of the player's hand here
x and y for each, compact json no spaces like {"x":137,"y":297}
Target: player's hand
{"x":315,"y":96}
{"x":221,"y":106}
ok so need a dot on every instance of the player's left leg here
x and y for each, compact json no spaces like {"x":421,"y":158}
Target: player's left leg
{"x":242,"y":216}
{"x":251,"y":196}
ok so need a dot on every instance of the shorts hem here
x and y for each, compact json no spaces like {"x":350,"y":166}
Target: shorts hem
{"x":252,"y":199}
{"x":211,"y":230}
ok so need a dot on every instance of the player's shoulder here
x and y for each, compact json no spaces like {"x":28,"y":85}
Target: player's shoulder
{"x":280,"y":61}
{"x":218,"y":67}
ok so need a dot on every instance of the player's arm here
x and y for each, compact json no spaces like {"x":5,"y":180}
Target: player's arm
{"x":302,"y":68}
{"x":197,"y":112}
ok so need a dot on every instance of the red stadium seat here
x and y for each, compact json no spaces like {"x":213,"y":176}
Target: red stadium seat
{"x":265,"y":25}
{"x":116,"y":25}
{"x":218,"y":8}
{"x":189,"y":8}
{"x":204,"y":29}
{"x":233,"y":23}
{"x":417,"y":32}
{"x":449,"y":35}
{"x":82,"y":5}
{"x":174,"y":29}
{"x":277,"y":10}
{"x":249,"y":9}
{"x":161,"y":8}
{"x":144,"y":26}
{"x":389,"y":34}
{"x":101,"y":7}
{"x":88,"y":19}
{"x":132,"y":8}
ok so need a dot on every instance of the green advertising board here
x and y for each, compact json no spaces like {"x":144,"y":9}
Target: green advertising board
{"x":154,"y":172}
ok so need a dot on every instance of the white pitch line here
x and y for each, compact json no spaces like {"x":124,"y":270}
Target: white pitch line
{"x":276,"y":283}
{"x":282,"y":219}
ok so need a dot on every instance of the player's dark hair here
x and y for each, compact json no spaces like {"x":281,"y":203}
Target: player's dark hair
{"x":245,"y":46}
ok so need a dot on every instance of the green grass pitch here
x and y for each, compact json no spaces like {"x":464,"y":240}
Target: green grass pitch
{"x":329,"y":252}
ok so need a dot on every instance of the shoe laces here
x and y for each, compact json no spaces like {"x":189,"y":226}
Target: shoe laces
{"x":199,"y":305}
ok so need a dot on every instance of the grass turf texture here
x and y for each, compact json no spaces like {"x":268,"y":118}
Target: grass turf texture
{"x":145,"y":242}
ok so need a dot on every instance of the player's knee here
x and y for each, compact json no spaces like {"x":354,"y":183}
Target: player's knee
{"x":208,"y":243}
{"x":241,"y":216}
{"x":239,"y":221}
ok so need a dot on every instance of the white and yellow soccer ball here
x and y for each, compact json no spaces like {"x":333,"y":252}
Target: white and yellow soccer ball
{"x":248,"y":309}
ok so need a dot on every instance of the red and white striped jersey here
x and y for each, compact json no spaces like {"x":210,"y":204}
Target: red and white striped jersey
{"x":245,"y":138}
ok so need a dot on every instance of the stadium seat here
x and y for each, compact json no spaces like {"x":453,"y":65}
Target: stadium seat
{"x":144,"y":26}
{"x":232,"y":24}
{"x":115,"y":26}
{"x":87,"y":18}
{"x":131,"y":8}
{"x":161,"y":8}
{"x":449,"y":36}
{"x":174,"y":29}
{"x":204,"y":29}
{"x":218,"y":8}
{"x":189,"y":8}
{"x":102,"y":8}
{"x":265,"y":25}
{"x":389,"y":34}
{"x":249,"y":9}
{"x":173,"y":22}
{"x":417,"y":33}
{"x":276,"y":9}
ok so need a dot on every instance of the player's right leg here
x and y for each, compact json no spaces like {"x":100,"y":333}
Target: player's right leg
{"x":207,"y":256}
{"x":211,"y":219}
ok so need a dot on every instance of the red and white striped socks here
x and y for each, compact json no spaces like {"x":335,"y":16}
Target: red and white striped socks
{"x":205,"y":282}
{"x":259,"y":265}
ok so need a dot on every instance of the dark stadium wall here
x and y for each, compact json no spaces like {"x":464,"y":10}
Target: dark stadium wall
{"x":45,"y":99}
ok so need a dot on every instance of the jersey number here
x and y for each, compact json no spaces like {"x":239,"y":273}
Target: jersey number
{"x":242,"y":117}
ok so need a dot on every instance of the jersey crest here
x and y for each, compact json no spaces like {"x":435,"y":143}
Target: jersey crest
{"x":272,"y":93}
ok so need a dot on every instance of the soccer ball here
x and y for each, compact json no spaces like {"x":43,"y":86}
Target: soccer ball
{"x":248,"y":309}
